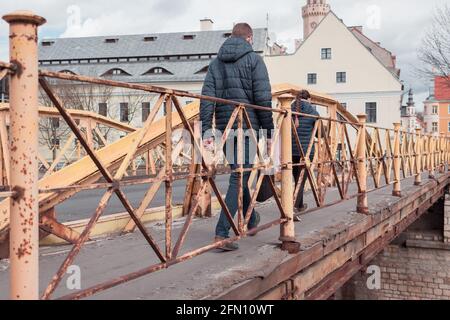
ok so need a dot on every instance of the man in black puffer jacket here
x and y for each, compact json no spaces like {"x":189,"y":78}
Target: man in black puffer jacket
{"x":304,"y":127}
{"x":238,"y":74}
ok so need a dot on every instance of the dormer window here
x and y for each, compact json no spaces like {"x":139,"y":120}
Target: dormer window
{"x":157,"y":70}
{"x":47,"y":43}
{"x":150,"y":39}
{"x":203,"y":70}
{"x":116,"y":72}
{"x":188,"y":37}
{"x":67,"y":71}
{"x":111,"y":40}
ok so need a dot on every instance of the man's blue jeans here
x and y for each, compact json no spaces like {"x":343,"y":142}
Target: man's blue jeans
{"x":231,"y":199}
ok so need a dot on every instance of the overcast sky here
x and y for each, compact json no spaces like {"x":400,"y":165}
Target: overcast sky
{"x":399,"y":26}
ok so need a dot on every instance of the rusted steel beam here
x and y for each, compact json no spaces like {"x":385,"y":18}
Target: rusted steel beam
{"x":240,"y":163}
{"x":362,"y":205}
{"x":8,"y":66}
{"x":135,"y":275}
{"x":77,"y":247}
{"x":137,"y":181}
{"x":149,"y":195}
{"x":287,"y":230}
{"x":5,"y":148}
{"x":3,"y":73}
{"x":338,"y":278}
{"x":188,"y":222}
{"x":224,"y":206}
{"x":255,"y":287}
{"x":58,"y":158}
{"x":74,"y":127}
{"x":24,"y":223}
{"x":259,"y":159}
{"x":397,"y":161}
{"x":78,"y":115}
{"x":418,"y":151}
{"x":149,"y":88}
{"x":333,"y":281}
{"x":140,"y":225}
{"x":169,"y":181}
{"x":50,"y":225}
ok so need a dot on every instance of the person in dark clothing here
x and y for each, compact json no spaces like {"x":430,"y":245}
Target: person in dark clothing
{"x":239,"y":74}
{"x":304,"y":127}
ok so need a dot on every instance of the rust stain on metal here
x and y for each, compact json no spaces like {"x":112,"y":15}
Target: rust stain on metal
{"x":18,"y":68}
{"x":19,"y":192}
{"x":24,"y":249}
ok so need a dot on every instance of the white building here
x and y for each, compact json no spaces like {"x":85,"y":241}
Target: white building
{"x":343,"y":63}
{"x":431,"y":113}
{"x":409,"y":116}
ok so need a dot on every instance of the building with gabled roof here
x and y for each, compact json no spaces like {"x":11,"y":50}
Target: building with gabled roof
{"x":345,"y":64}
{"x":147,"y":58}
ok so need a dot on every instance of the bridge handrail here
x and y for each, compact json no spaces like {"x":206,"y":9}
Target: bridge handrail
{"x":345,"y":151}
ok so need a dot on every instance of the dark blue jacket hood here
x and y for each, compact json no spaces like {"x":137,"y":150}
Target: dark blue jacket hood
{"x":233,"y":49}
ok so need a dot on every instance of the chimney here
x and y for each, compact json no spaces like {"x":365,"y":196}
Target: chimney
{"x":206,"y":25}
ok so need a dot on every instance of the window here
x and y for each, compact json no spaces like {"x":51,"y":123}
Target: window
{"x":203,"y":70}
{"x":67,"y":71}
{"x":227,"y":35}
{"x":189,"y":102}
{"x":103,"y":109}
{"x":124,"y":114}
{"x":449,"y":109}
{"x":341,"y":77}
{"x":371,"y":111}
{"x":111,"y":40}
{"x":435,"y":110}
{"x":312,"y":78}
{"x":116,"y":72}
{"x":47,"y":43}
{"x":188,"y":37}
{"x":145,"y":111}
{"x":434,"y":127}
{"x":326,"y":54}
{"x":150,"y":39}
{"x":157,"y":70}
{"x":344,"y":105}
{"x":449,"y":127}
{"x":55,"y":123}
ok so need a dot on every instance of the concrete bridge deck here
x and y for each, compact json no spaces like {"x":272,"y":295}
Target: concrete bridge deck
{"x":335,"y":243}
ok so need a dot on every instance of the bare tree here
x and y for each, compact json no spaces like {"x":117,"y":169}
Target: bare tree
{"x":434,"y":52}
{"x":88,"y":97}
{"x":54,"y":132}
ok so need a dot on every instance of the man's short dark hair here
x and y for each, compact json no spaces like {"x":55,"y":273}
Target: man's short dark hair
{"x":242,"y":30}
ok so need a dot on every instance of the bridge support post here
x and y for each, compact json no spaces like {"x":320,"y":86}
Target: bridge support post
{"x":418,"y":151}
{"x":24,"y":211}
{"x":441,"y":153}
{"x":287,"y":229}
{"x":361,"y":154}
{"x":397,"y":192}
{"x":431,"y":157}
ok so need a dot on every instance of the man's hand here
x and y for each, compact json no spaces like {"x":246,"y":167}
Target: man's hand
{"x":208,"y":144}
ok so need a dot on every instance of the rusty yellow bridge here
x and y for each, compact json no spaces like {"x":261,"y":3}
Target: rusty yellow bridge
{"x":366,"y":186}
